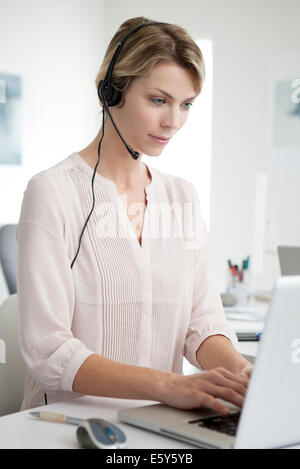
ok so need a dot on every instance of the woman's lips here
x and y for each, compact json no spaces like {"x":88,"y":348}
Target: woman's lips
{"x":159,"y":140}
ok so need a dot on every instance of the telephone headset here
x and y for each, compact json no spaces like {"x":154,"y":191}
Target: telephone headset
{"x":110,"y":96}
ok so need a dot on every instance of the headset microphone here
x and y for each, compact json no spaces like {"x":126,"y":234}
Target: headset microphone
{"x":101,"y":95}
{"x":108,"y":93}
{"x":111,"y":96}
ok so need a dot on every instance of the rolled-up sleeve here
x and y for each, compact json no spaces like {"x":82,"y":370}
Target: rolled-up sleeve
{"x":207,"y":315}
{"x":45,"y":290}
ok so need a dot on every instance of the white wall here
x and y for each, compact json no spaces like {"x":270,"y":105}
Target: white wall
{"x":245,"y":35}
{"x":57,"y":46}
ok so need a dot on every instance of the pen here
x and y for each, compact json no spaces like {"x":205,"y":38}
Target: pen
{"x":234,"y":273}
{"x":53,"y":417}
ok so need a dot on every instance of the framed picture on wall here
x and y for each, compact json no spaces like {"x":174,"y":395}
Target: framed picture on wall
{"x":10,"y":118}
{"x":284,"y":116}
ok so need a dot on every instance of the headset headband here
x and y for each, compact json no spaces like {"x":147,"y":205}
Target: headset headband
{"x":110,"y":96}
{"x":104,"y":88}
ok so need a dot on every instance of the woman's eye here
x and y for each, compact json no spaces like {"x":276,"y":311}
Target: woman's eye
{"x":159,"y":101}
{"x":189,"y":105}
{"x":154,"y":100}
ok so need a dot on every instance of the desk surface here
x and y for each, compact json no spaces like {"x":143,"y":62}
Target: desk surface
{"x":21,"y":430}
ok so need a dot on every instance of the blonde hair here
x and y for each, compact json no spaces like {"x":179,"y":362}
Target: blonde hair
{"x":147,"y":47}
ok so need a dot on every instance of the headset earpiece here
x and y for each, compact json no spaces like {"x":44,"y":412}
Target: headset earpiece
{"x":112,"y":95}
{"x":105,"y":87}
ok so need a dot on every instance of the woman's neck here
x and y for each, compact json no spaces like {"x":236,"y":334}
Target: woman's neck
{"x":115,"y":163}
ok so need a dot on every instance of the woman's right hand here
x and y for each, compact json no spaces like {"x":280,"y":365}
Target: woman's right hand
{"x":203,"y":389}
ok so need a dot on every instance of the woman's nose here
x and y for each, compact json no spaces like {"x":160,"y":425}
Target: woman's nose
{"x":172,"y":119}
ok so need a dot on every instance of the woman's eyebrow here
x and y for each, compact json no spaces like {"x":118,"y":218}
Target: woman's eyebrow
{"x":171,"y":97}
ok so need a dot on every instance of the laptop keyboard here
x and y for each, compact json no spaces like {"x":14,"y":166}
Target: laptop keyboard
{"x":223,"y":424}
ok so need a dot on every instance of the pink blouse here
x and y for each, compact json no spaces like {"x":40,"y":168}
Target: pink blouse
{"x":146,"y":305}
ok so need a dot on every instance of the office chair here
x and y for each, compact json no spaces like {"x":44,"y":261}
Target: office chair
{"x":9,"y":256}
{"x":12,"y":365}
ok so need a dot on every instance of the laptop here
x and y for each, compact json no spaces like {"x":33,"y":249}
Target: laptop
{"x":271,"y":413}
{"x":289,"y":259}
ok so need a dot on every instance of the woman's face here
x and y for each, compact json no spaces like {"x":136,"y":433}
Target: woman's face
{"x":148,"y":111}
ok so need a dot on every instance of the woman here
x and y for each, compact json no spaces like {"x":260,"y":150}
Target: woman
{"x":115,"y":317}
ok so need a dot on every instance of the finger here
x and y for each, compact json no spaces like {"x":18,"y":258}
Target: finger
{"x":212,"y":403}
{"x":226,"y":378}
{"x":220,"y":380}
{"x":225,"y":393}
{"x":235,"y":376}
{"x":238,"y":378}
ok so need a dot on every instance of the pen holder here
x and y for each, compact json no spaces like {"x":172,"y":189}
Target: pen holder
{"x":241,"y":291}
{"x":238,"y":281}
{"x":239,"y":288}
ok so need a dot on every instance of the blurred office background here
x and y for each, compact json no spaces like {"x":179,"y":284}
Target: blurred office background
{"x":51,"y":50}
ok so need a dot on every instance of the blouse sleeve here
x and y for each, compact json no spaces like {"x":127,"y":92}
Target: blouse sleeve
{"x":207,"y":314}
{"x":45,"y":290}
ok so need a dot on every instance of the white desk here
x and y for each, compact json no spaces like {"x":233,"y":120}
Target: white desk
{"x":20,"y":430}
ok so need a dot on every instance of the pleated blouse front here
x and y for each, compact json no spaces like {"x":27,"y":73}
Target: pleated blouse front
{"x":147,"y":305}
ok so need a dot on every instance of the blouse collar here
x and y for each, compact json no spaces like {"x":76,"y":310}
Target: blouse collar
{"x":108,"y":182}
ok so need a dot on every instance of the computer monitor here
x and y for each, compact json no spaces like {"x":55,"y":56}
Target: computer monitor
{"x":289,"y":259}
